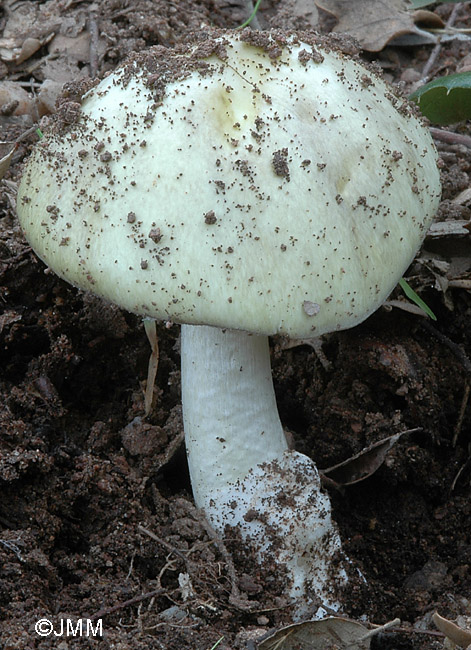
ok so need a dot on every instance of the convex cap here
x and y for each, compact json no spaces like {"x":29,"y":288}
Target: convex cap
{"x":249,"y":180}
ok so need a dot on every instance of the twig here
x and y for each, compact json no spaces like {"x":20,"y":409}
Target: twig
{"x":13,"y":548}
{"x":449,"y":137}
{"x":459,"y":422}
{"x":131,"y":566}
{"x":27,"y":133}
{"x":127,"y":603}
{"x":454,"y":347}
{"x":235,"y":597}
{"x":375,"y":631}
{"x":165,"y":544}
{"x":411,"y":630}
{"x":139,"y":618}
{"x":94,"y":38}
{"x":18,"y":256}
{"x":458,"y":474}
{"x":437,"y":49}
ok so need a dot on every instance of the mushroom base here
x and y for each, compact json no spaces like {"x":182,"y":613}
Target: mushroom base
{"x":243,"y":474}
{"x":284,"y":517}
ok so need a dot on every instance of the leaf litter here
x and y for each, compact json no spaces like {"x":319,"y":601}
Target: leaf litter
{"x":375,"y":23}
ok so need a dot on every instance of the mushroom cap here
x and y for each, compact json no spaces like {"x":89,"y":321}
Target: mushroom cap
{"x":257,"y":181}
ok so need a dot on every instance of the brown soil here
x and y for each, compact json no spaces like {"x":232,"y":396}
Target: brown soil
{"x":96,"y":514}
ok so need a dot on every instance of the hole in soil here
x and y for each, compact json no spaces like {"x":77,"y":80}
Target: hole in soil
{"x":70,"y":539}
{"x":68,"y":577}
{"x":19,"y":347}
{"x":174,"y":476}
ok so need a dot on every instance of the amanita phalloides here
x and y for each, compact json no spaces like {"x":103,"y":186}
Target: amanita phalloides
{"x":244,"y":184}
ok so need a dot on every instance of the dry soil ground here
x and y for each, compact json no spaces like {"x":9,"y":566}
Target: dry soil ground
{"x":96,"y":514}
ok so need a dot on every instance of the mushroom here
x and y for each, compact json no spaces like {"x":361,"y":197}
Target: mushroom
{"x":244,"y":184}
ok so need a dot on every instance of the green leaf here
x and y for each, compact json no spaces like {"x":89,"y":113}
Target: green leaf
{"x":217,"y":643}
{"x":416,"y":4}
{"x":446,"y":100}
{"x":251,"y":17}
{"x":410,"y":293}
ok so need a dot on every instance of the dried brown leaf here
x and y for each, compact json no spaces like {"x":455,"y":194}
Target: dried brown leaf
{"x":5,"y":161}
{"x":332,"y":632}
{"x":376,"y":22}
{"x":452,"y":228}
{"x":362,"y":465}
{"x":407,"y":306}
{"x":17,"y":52}
{"x":456,"y":634}
{"x":318,"y":635}
{"x":75,"y":48}
{"x":463,"y":197}
{"x":151,"y":331}
{"x":461,"y":283}
{"x":27,"y":28}
{"x":307,"y":9}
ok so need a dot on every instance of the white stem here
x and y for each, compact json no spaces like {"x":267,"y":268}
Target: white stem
{"x":229,"y":408}
{"x":242,"y":473}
